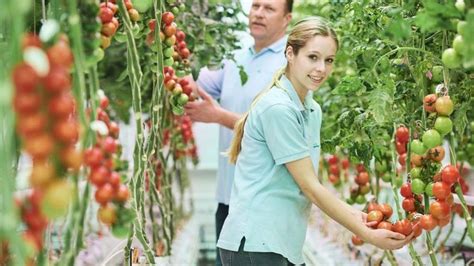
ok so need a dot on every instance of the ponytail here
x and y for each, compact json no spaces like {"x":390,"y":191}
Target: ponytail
{"x":236,"y":144}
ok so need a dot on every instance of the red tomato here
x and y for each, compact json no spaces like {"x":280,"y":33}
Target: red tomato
{"x":103,"y":116}
{"x":385,"y":225}
{"x":25,"y":78}
{"x":334,"y":169}
{"x":107,"y":214}
{"x":402,"y":134}
{"x":185,"y":53}
{"x":373,"y":206}
{"x":32,"y":125}
{"x":333,"y":179}
{"x":106,"y":14}
{"x":436,"y":153}
{"x":104,"y":194}
{"x":26,"y":103}
{"x":408,"y":204}
{"x":114,"y":129}
{"x":170,"y":30}
{"x":417,"y":230}
{"x":180,"y":35}
{"x":61,"y":106}
{"x":30,"y":39}
{"x":66,"y":131}
{"x":104,"y":102}
{"x":450,"y":174}
{"x":428,"y":222}
{"x":152,"y":24}
{"x":93,"y":157}
{"x":445,"y":221}
{"x":401,"y":148}
{"x":402,"y":159}
{"x":34,"y":219}
{"x":386,"y":210}
{"x":57,"y":80}
{"x":439,"y":209}
{"x":428,"y":103}
{"x":99,"y":176}
{"x":441,"y":190}
{"x":362,"y":178}
{"x":39,"y":147}
{"x":375,"y":216}
{"x":345,"y":163}
{"x":333,"y":159}
{"x":405,"y":190}
{"x":109,"y":145}
{"x":122,"y":193}
{"x":109,"y":5}
{"x":167,"y":18}
{"x":108,"y":29}
{"x":403,"y":227}
{"x":115,"y":179}
{"x":357,"y":241}
{"x":60,"y":54}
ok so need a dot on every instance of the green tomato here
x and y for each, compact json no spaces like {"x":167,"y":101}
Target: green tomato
{"x":459,"y":45}
{"x":175,"y":10}
{"x":350,"y":201}
{"x":183,"y":99}
{"x":461,"y":156}
{"x":168,"y":61}
{"x":387,"y":177}
{"x":415,"y":172}
{"x":431,"y":138}
{"x":462,"y":27}
{"x":460,"y":5}
{"x":120,"y":230}
{"x":437,"y":72}
{"x":381,"y":167}
{"x":360,"y":199}
{"x":443,"y":125}
{"x":429,"y":189}
{"x":168,"y":52}
{"x":142,"y":5}
{"x":451,"y":58}
{"x":398,"y":181}
{"x":418,"y":147}
{"x":470,"y":149}
{"x":182,"y":7}
{"x":417,"y":186}
{"x":180,"y":73}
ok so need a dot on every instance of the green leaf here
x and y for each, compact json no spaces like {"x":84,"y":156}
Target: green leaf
{"x":243,"y":75}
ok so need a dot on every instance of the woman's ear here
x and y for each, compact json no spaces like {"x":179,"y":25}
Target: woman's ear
{"x":289,"y":54}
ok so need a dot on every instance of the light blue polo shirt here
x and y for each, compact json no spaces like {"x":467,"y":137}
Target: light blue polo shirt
{"x":267,"y":207}
{"x":225,"y":85}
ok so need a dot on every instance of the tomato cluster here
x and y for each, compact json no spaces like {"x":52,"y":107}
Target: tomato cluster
{"x":105,"y":166}
{"x":46,"y":121}
{"x":182,"y":138}
{"x":453,"y":57}
{"x":362,"y":186}
{"x":402,"y":136}
{"x":334,"y":169}
{"x":110,"y":23}
{"x":91,"y":27}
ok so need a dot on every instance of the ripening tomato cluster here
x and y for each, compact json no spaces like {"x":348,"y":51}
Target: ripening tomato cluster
{"x":362,"y":186}
{"x":110,"y":24}
{"x":103,"y":160}
{"x":402,"y":136}
{"x":182,"y":138}
{"x":335,"y":169}
{"x":46,"y":121}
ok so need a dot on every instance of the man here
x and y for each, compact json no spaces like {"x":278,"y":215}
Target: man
{"x":268,"y":20}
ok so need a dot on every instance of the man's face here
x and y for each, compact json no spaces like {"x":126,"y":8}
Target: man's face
{"x":268,"y":19}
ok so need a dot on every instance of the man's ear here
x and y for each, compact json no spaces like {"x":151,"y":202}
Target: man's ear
{"x":288,"y":18}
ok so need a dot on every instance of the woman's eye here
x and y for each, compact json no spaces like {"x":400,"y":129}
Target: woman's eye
{"x":330,"y":61}
{"x":313,"y":57}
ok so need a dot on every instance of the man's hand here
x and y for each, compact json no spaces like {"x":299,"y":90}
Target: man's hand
{"x":206,"y":110}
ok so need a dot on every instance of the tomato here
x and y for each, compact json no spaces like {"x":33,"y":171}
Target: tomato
{"x":450,"y":58}
{"x":364,"y":189}
{"x":31,"y":125}
{"x":444,"y":222}
{"x":408,"y":204}
{"x":180,"y":35}
{"x":360,"y":168}
{"x":444,"y":106}
{"x":61,"y":106}
{"x":402,"y":159}
{"x":450,"y":174}
{"x":403,"y":227}
{"x":333,"y":179}
{"x":357,"y":241}
{"x":71,"y":158}
{"x":60,"y":54}
{"x":372,"y":206}
{"x":333,"y":159}
{"x":120,"y":230}
{"x":56,"y":199}
{"x":93,"y":157}
{"x":39,"y":146}
{"x":114,"y":129}
{"x":360,"y":199}
{"x":167,"y":18}
{"x":33,"y":242}
{"x":170,"y":41}
{"x":401,"y":147}
{"x":402,"y":134}
{"x":42,"y":174}
{"x":99,"y":176}
{"x":459,"y":45}
{"x":385,"y":225}
{"x":34,"y":219}
{"x":387,"y":177}
{"x":428,"y":103}
{"x":386,"y":210}
{"x":429,"y":189}
{"x":115,"y":179}
{"x":26,"y":103}
{"x":105,"y":41}
{"x":104,"y":194}
{"x":183,"y":99}
{"x":108,"y":29}
{"x":439,"y":209}
{"x":107,"y":214}
{"x":109,"y":145}
{"x":436,"y":154}
{"x":428,"y":222}
{"x":417,"y":186}
{"x":417,"y":147}
{"x":109,"y":5}
{"x":375,"y":216}
{"x":405,"y":190}
{"x":30,"y":39}
{"x":437,"y":72}
{"x":417,"y":160}
{"x":57,"y":80}
{"x":66,"y":131}
{"x":415,"y":172}
{"x":25,"y":78}
{"x":334,"y":169}
{"x":185,"y":53}
{"x":441,"y":190}
{"x":362,"y":178}
{"x":122,"y":193}
{"x":461,"y":27}
{"x":106,"y":14}
{"x":134,"y":15}
{"x":431,"y":138}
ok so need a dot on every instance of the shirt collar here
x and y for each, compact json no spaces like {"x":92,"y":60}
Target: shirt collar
{"x":308,"y":103}
{"x":275,"y":47}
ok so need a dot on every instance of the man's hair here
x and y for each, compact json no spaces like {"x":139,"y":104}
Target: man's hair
{"x":289,"y":6}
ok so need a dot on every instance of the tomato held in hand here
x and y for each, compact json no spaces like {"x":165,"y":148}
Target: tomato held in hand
{"x":375,"y":216}
{"x":403,"y":227}
{"x":357,"y":241}
{"x":385,"y":225}
{"x":386,"y":210}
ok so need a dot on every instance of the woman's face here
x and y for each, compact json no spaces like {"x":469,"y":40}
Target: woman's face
{"x":314,"y":62}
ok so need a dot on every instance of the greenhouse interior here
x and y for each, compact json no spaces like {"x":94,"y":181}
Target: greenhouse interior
{"x":237,"y":132}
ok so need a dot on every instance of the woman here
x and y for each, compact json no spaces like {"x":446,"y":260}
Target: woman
{"x":276,"y":150}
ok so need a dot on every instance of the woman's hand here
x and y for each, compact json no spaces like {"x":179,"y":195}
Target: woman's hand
{"x":363,"y":217}
{"x":386,"y":239}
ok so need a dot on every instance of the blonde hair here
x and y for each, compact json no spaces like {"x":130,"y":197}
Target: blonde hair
{"x":303,"y":31}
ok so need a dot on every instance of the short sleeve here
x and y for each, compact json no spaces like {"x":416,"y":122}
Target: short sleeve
{"x":211,"y":81}
{"x":283,"y":133}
